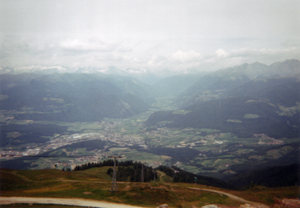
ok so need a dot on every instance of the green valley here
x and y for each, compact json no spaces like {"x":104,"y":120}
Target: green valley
{"x":238,"y":125}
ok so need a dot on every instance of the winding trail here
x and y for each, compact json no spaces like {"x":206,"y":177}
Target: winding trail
{"x":230,"y":196}
{"x":72,"y":202}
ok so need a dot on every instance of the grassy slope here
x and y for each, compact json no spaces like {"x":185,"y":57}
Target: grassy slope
{"x":95,"y":184}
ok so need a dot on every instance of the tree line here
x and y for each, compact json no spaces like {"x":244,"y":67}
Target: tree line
{"x":270,"y":177}
{"x":126,"y":170}
{"x":132,"y":171}
{"x":98,"y":164}
{"x":181,"y":176}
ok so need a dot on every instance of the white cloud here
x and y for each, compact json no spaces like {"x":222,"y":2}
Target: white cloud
{"x":81,"y":45}
{"x":186,"y":56}
{"x":221,"y":53}
{"x":180,"y":36}
{"x":188,"y":61}
{"x":94,"y":52}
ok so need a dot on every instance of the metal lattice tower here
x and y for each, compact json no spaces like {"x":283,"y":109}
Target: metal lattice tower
{"x":114,"y":179}
{"x":142,"y":177}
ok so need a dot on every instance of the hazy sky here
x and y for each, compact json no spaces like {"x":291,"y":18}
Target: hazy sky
{"x":156,"y":34}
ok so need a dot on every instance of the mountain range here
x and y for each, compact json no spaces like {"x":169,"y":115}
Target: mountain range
{"x":141,"y":74}
{"x":225,"y":99}
{"x":245,"y":100}
{"x":242,"y":102}
{"x":72,"y":97}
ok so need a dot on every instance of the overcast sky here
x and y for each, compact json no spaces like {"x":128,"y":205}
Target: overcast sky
{"x":156,"y":35}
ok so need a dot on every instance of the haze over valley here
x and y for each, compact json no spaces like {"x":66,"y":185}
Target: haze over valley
{"x":198,"y":92}
{"x":218,"y":124}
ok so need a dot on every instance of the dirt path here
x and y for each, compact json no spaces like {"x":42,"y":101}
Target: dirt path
{"x":161,"y":175}
{"x":230,"y":196}
{"x":72,"y":202}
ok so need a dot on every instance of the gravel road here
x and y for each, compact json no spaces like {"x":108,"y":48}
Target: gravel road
{"x":73,"y":202}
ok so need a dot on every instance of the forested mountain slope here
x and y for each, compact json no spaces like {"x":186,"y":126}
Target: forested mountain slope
{"x":279,"y":176}
{"x":72,"y":97}
{"x":175,"y":85}
{"x":218,"y":84}
{"x":240,"y":101}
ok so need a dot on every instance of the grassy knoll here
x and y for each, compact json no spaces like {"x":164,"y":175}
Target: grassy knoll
{"x":267,"y":195}
{"x":95,"y":184}
{"x":258,"y":194}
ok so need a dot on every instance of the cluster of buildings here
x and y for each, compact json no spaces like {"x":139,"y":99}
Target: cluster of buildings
{"x":126,"y":140}
{"x":267,"y":140}
{"x":9,"y":154}
{"x":60,"y":141}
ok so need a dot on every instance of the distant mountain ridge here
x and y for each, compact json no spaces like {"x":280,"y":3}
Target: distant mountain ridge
{"x":140,"y":74}
{"x":72,"y":97}
{"x":288,"y":68}
{"x":88,"y":93}
{"x":244,"y":100}
{"x":175,"y":85}
{"x":216,"y":84}
{"x":252,"y":71}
